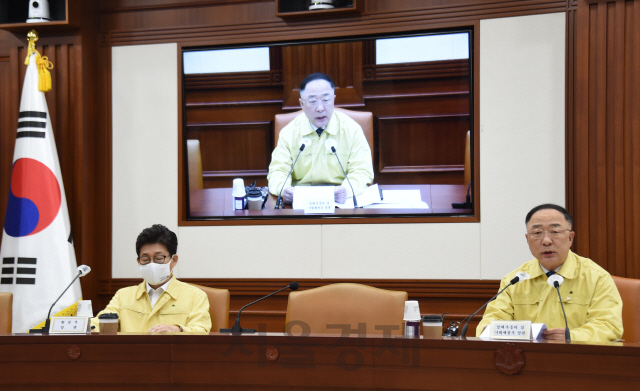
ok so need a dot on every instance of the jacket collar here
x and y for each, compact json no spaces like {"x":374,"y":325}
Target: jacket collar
{"x":172,"y":289}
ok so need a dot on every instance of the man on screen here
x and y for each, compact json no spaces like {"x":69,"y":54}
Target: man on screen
{"x":160,"y":303}
{"x":317,"y":165}
{"x":589,"y":295}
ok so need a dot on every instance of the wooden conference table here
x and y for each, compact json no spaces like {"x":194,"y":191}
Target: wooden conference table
{"x":218,"y":203}
{"x":316,"y":362}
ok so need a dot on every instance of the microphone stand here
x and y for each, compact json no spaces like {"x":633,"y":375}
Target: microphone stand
{"x":464,"y":205}
{"x":463,"y":333}
{"x":47,"y":323}
{"x":236,"y":329}
{"x":355,"y":202}
{"x":285,"y":180}
{"x":567,"y":334}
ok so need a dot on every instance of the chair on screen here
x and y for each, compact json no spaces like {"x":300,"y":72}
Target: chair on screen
{"x":345,"y":304}
{"x":6,"y":312}
{"x":363,"y":118}
{"x":218,"y":306}
{"x":194,"y":160}
{"x":467,"y":159}
{"x":629,"y":289}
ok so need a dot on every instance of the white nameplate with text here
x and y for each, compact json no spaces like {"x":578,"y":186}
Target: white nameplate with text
{"x":69,"y":325}
{"x":314,"y":199}
{"x":511,"y":329}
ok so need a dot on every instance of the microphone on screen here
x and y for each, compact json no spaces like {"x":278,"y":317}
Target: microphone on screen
{"x":83,"y":270}
{"x":520,"y":276}
{"x":236,"y":327}
{"x":331,"y":144}
{"x":303,"y":143}
{"x":555,"y":280}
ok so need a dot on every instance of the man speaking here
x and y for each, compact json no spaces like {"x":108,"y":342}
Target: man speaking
{"x":320,"y":126}
{"x":589,"y":295}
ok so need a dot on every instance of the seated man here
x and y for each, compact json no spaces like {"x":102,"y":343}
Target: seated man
{"x":160,"y":303}
{"x":317,"y":165}
{"x":590,"y":297}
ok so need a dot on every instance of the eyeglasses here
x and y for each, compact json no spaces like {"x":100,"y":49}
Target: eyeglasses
{"x":156,"y":259}
{"x":313,"y":102}
{"x":553,"y":233}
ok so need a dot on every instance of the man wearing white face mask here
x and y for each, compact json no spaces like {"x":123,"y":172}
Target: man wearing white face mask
{"x":160,"y":303}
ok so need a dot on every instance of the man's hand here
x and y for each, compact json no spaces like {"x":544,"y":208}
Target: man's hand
{"x":340,"y":194}
{"x":164,"y":328}
{"x":553,"y":334}
{"x":287,"y":195}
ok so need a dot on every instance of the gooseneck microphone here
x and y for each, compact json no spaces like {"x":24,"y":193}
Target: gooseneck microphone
{"x":555,"y":281}
{"x":303,"y":143}
{"x":83,"y":270}
{"x":331,"y":145}
{"x":521,"y":276}
{"x":236,"y":327}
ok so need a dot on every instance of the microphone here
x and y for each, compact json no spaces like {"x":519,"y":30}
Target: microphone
{"x":520,"y":276}
{"x":303,"y":143}
{"x":236,"y":327}
{"x":468,"y":204}
{"x":83,"y":270}
{"x":331,"y":146}
{"x":555,"y":281}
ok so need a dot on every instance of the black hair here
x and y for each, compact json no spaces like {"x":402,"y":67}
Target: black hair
{"x":158,"y":233}
{"x":565,"y":213}
{"x":316,"y":76}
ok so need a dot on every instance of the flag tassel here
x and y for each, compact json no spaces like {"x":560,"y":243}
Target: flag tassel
{"x":42,"y":62}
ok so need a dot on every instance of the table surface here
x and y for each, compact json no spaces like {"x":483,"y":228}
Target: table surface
{"x":218,"y":203}
{"x":266,"y":361}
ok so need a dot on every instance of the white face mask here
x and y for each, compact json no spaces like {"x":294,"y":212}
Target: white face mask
{"x":156,"y":273}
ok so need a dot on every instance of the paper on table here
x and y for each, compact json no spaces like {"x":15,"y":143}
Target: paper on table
{"x":400,"y":196}
{"x":403,"y":205}
{"x":303,"y":194}
{"x":370,"y":196}
{"x":536,"y":331}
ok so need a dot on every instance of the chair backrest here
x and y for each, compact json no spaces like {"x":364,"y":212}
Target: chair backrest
{"x":218,"y":306}
{"x":363,"y":118}
{"x":467,"y":159}
{"x":629,"y":289}
{"x":339,"y":304}
{"x":6,"y":312}
{"x":194,"y":160}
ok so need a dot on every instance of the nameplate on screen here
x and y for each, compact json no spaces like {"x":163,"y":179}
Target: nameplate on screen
{"x":511,"y":329}
{"x":314,"y":199}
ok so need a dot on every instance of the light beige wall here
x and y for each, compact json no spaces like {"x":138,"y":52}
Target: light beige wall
{"x":521,"y":164}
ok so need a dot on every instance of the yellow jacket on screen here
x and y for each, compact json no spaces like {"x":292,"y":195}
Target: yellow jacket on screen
{"x":589,"y":295}
{"x":181,"y":305}
{"x":317,"y":165}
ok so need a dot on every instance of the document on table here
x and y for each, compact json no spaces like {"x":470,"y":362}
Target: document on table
{"x":370,"y":196}
{"x":392,"y":199}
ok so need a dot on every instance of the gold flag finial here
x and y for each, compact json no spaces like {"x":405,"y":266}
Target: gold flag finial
{"x":43,"y":63}
{"x":32,"y":37}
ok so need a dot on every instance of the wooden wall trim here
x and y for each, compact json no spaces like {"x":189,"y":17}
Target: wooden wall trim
{"x":476,"y":289}
{"x":113,"y":6}
{"x":254,"y":23}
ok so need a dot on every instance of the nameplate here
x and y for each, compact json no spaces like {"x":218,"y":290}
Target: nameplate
{"x":69,"y":325}
{"x":511,"y":329}
{"x":314,"y":199}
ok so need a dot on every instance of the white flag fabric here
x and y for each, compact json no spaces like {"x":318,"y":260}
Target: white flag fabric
{"x":38,"y":259}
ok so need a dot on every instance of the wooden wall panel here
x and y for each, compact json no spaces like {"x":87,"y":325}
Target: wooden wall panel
{"x":341,"y":61}
{"x":606,"y":138}
{"x":233,"y":150}
{"x":429,"y":143}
